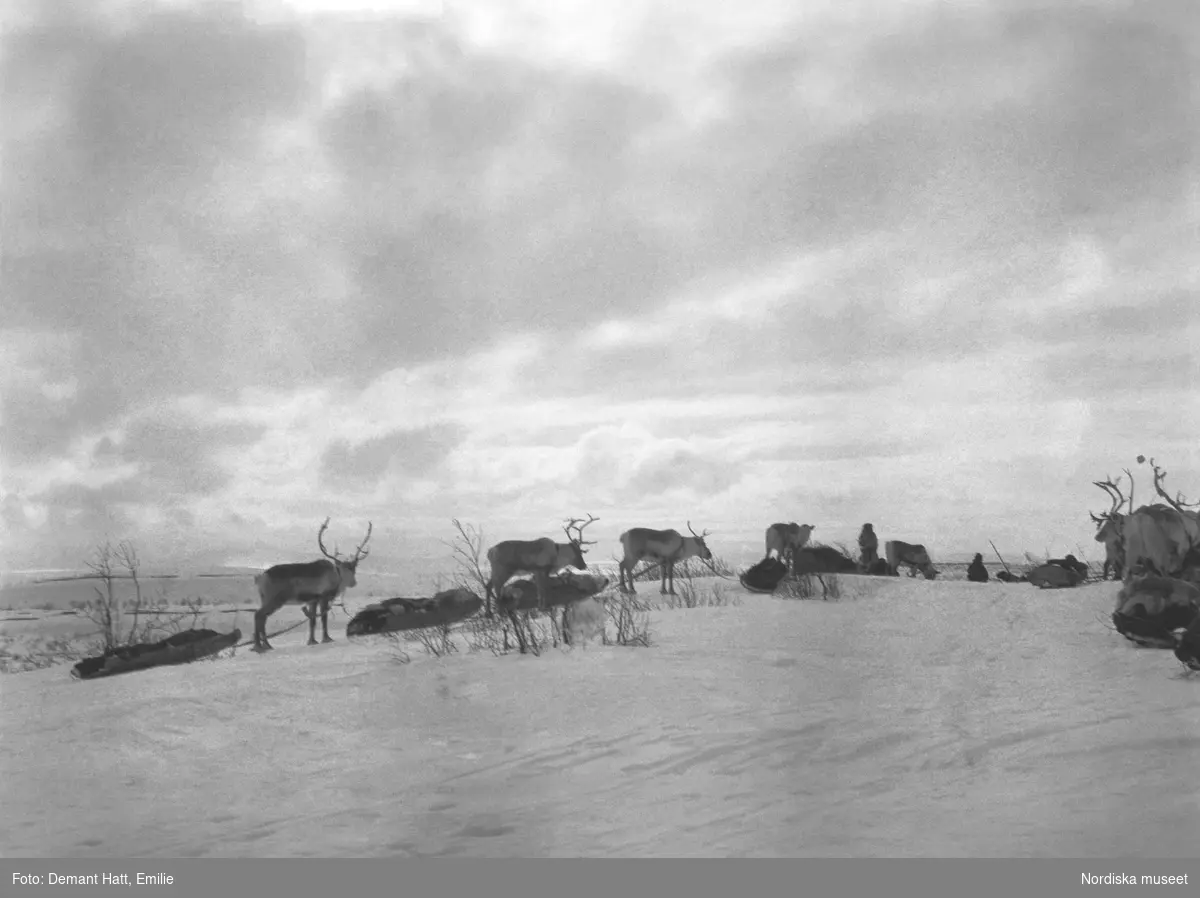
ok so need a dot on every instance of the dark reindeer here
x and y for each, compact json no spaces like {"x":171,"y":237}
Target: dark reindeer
{"x":668,"y":547}
{"x":540,"y":557}
{"x":311,"y":584}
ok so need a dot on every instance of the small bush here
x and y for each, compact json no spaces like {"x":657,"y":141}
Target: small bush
{"x":21,"y":656}
{"x":811,"y":586}
{"x":485,"y":634}
{"x":398,"y":654}
{"x":468,"y":553}
{"x":630,"y":616}
{"x":438,"y":641}
{"x":691,"y":595}
{"x":149,"y":618}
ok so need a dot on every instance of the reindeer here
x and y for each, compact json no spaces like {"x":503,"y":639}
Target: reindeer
{"x":785,"y":540}
{"x":1110,"y":526}
{"x":540,"y":557}
{"x":311,"y":584}
{"x":1162,"y":539}
{"x":665,"y":546}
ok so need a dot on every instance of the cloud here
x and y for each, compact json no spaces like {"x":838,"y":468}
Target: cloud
{"x":411,"y":453}
{"x":268,"y":265}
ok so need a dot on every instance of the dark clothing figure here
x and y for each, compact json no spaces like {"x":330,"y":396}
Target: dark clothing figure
{"x":977,"y":573}
{"x":868,"y":546}
{"x":1071,"y":563}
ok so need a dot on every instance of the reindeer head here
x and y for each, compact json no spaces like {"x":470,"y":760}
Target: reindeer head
{"x":704,"y":553}
{"x":577,"y":541}
{"x":1109,"y":523}
{"x":346,"y":568}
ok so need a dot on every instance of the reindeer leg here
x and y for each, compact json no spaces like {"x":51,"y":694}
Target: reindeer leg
{"x":520,"y":634}
{"x":310,"y":611}
{"x":325,"y":623}
{"x":260,"y":631}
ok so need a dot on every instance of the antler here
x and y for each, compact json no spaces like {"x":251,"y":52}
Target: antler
{"x":1178,"y":503}
{"x":1114,"y":493}
{"x":324,"y":551}
{"x":578,"y":524}
{"x":360,"y":553}
{"x":695,"y":534}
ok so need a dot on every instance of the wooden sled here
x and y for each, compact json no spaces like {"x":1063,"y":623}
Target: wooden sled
{"x":395,"y":615}
{"x":764,"y":577}
{"x":760,"y":589}
{"x":180,"y":648}
{"x":1151,"y":609}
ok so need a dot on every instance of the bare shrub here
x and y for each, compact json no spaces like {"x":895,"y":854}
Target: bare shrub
{"x":811,"y":586}
{"x":150,"y":619}
{"x":536,"y":631}
{"x":529,"y":630}
{"x":630,"y":616}
{"x":105,"y":610}
{"x":397,"y":652}
{"x":467,"y":553}
{"x":438,"y":641}
{"x":19,"y":656}
{"x":691,"y":595}
{"x":486,"y":634}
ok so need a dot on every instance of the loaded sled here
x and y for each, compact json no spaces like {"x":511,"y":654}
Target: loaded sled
{"x":180,"y":648}
{"x":395,"y":615}
{"x":765,"y":576}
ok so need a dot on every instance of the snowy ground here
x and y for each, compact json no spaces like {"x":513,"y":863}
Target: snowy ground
{"x":909,"y":718}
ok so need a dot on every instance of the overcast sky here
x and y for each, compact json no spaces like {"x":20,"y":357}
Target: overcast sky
{"x":928,"y":265}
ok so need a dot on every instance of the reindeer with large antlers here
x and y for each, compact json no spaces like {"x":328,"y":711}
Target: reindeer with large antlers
{"x":1163,"y":539}
{"x":540,"y":557}
{"x":312,"y":584}
{"x":1110,"y":525}
{"x":668,"y":547}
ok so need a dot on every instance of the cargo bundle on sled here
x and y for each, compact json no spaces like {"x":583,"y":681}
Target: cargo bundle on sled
{"x":565,"y":588}
{"x":1150,"y":610}
{"x":394,"y":615}
{"x":180,"y":648}
{"x":1054,"y":576}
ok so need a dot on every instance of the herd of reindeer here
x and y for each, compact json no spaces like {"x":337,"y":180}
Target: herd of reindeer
{"x":1159,"y":540}
{"x":316,"y":585}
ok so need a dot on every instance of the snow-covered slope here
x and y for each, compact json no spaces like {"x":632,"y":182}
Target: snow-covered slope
{"x":909,"y":718}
